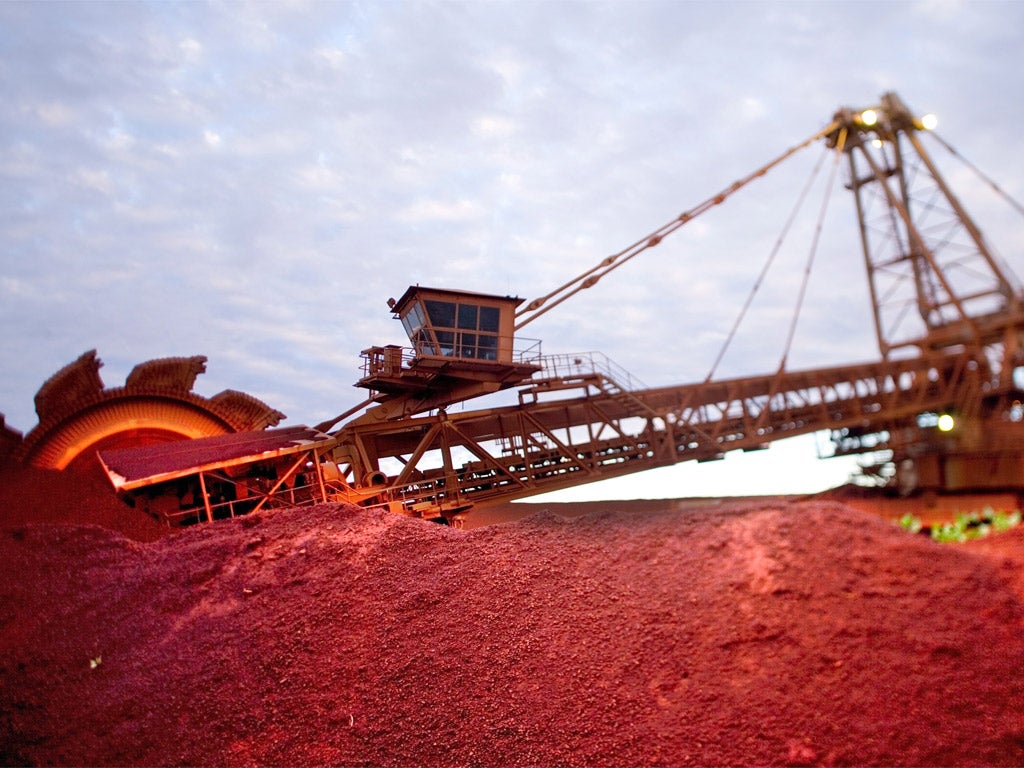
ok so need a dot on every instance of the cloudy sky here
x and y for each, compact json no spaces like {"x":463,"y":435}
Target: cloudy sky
{"x":251,"y":182}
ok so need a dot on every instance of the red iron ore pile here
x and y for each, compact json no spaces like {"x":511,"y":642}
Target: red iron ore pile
{"x":772,"y":632}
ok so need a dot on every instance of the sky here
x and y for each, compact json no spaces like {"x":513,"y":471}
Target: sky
{"x":253,"y":181}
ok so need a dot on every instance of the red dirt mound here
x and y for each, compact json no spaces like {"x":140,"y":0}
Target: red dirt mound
{"x":31,"y":495}
{"x":743,"y":634}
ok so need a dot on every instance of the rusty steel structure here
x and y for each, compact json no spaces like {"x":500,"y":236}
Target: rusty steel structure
{"x":941,"y":401}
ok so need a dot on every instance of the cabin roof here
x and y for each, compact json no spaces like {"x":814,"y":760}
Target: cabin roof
{"x":415,"y":290}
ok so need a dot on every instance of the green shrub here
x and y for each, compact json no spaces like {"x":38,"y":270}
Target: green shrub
{"x":910,"y":522}
{"x":966,"y":525}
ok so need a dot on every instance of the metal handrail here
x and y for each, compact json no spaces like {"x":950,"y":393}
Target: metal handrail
{"x":584,"y":363}
{"x":525,"y":351}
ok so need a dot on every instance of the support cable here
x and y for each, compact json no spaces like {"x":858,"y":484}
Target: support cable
{"x":813,"y":253}
{"x":801,"y":199}
{"x":981,"y":175}
{"x":537,"y":307}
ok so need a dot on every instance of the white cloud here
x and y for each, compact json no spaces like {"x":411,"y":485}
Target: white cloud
{"x":12,"y":286}
{"x":335,"y":58}
{"x":191,"y":50}
{"x":212,"y":138}
{"x":319,"y":177}
{"x":118,"y":140}
{"x":494,"y":126}
{"x":939,"y":10}
{"x":54,"y":114}
{"x":95,"y":180}
{"x":752,"y":109}
{"x":440,"y":210}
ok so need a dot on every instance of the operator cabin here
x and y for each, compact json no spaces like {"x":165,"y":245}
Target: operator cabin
{"x":460,"y":341}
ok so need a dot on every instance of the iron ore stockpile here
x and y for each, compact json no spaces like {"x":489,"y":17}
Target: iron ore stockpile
{"x":764,"y":633}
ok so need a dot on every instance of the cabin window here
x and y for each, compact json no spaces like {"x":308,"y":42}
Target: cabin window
{"x":413,"y":320}
{"x":453,"y":329}
{"x":489,"y":319}
{"x":441,"y":313}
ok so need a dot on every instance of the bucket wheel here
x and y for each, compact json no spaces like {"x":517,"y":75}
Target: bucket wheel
{"x":78,"y":415}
